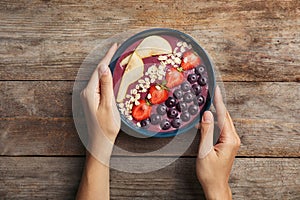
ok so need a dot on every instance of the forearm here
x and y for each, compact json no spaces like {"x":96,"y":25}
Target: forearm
{"x":222,"y":192}
{"x":95,"y":180}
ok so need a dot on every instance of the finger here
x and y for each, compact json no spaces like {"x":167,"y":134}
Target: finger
{"x":207,"y":134}
{"x":106,"y":88}
{"x":93,"y":84}
{"x":107,"y":58}
{"x":106,"y":81}
{"x":224,"y":120}
{"x":220,"y":107}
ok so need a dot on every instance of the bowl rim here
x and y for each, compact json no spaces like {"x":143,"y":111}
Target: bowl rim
{"x":125,"y":125}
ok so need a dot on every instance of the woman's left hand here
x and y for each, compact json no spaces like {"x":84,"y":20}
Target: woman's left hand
{"x":101,"y":113}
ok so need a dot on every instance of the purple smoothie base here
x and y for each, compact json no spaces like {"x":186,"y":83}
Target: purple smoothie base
{"x":118,"y":72}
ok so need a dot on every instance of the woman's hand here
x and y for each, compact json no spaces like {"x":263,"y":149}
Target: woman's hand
{"x":214,"y":163}
{"x":103,"y":122}
{"x":99,"y":102}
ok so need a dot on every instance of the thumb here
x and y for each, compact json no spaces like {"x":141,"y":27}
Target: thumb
{"x":106,"y":85}
{"x":207,"y":134}
{"x":105,"y":77}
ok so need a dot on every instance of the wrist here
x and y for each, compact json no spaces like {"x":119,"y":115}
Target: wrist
{"x":100,"y":148}
{"x":215,"y":193}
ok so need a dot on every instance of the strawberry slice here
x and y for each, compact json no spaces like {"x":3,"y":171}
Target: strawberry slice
{"x":174,"y":77}
{"x":158,"y":94}
{"x":141,"y":111}
{"x":190,"y":60}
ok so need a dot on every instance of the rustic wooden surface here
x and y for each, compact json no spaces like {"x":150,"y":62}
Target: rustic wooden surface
{"x":255,"y":46}
{"x":44,"y":177}
{"x":31,"y":118}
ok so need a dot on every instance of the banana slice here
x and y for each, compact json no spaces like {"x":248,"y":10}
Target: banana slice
{"x":134,"y":71}
{"x":125,"y":60}
{"x":150,"y":46}
{"x":153,"y":45}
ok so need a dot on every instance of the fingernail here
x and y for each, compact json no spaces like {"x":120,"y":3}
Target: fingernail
{"x":207,"y":117}
{"x":103,"y":69}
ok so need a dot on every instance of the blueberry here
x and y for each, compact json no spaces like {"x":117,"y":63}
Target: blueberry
{"x":178,"y":93}
{"x":202,"y":81}
{"x":181,"y":106}
{"x":185,"y":86}
{"x":200,"y":69}
{"x":170,"y":102}
{"x":185,"y":116}
{"x":193,"y":109}
{"x":175,"y":123}
{"x":196,"y":89}
{"x":192,"y":78}
{"x":161,"y":109}
{"x":188,"y":97}
{"x":145,"y":123}
{"x":165,"y":124}
{"x":199,"y":100}
{"x":172,"y":113}
{"x":155,"y":119}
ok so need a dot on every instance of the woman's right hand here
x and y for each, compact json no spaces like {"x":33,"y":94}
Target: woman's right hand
{"x":214,"y":163}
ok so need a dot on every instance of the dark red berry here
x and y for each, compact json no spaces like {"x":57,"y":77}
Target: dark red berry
{"x":199,"y":100}
{"x":165,"y":124}
{"x":192,"y":78}
{"x":172,"y":113}
{"x":170,"y":102}
{"x":176,"y":123}
{"x":196,"y":89}
{"x":145,"y":123}
{"x":202,"y":81}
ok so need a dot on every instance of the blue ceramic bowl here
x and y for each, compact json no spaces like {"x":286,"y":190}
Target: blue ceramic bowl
{"x":128,"y":126}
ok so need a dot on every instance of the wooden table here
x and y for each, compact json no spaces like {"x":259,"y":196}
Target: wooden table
{"x":254,"y":44}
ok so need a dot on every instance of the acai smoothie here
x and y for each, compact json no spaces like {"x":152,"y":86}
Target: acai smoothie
{"x":161,"y":84}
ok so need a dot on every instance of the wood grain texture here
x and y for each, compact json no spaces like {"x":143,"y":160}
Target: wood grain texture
{"x":245,"y":100}
{"x":255,"y":49}
{"x":58,"y":137}
{"x":248,"y":41}
{"x":58,"y":178}
{"x":39,"y":114}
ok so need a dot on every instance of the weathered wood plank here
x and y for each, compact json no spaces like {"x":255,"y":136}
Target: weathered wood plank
{"x":48,"y":40}
{"x":248,"y":41}
{"x":246,"y":100}
{"x":39,"y":178}
{"x":39,"y":137}
{"x":58,"y":178}
{"x":33,"y":99}
{"x":38,"y":114}
{"x":256,"y":100}
{"x":59,"y":137}
{"x":258,"y":138}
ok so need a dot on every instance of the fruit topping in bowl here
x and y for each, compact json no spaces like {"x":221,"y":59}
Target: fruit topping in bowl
{"x":161,"y":83}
